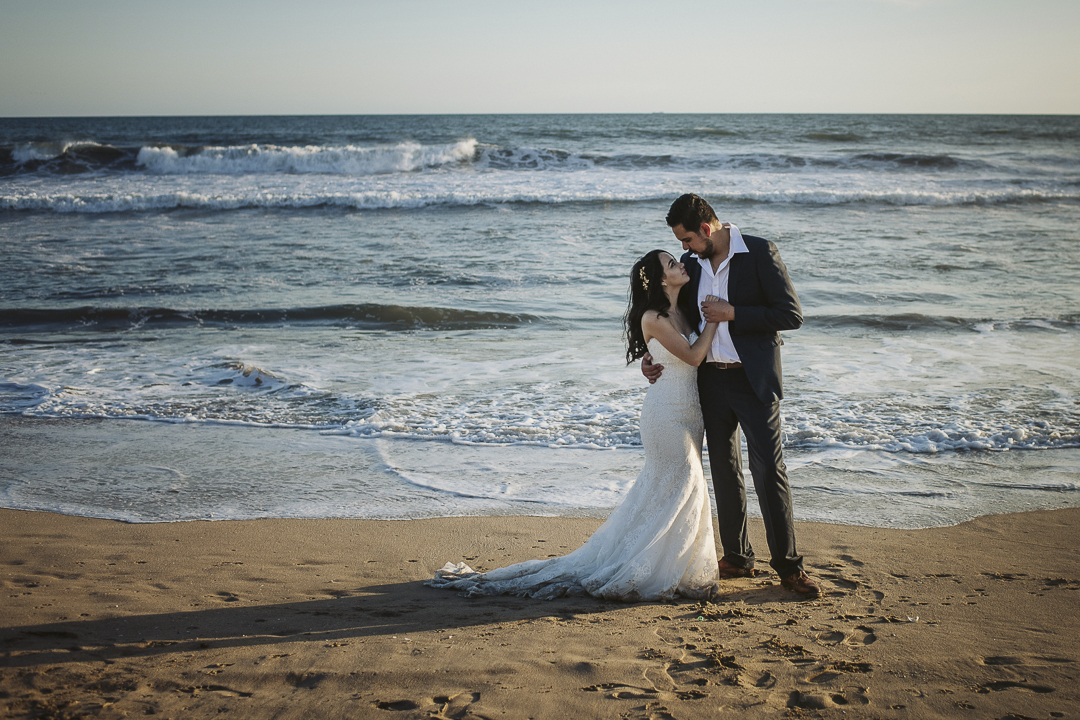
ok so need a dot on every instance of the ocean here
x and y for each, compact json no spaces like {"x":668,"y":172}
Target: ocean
{"x":427,"y":309}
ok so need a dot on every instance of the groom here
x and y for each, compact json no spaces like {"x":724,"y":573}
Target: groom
{"x":739,"y":383}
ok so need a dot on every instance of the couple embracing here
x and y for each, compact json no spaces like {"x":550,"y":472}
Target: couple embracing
{"x":706,"y":330}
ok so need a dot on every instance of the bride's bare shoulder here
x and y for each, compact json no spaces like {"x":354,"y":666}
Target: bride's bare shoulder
{"x":651,"y":321}
{"x":661,"y":327}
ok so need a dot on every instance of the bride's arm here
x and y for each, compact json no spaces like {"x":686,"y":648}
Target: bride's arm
{"x":659,"y":328}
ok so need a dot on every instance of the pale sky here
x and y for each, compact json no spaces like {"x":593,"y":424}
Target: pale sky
{"x":241,"y":57}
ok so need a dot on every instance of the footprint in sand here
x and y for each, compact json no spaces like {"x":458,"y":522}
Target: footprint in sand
{"x":453,"y":707}
{"x":841,"y":581}
{"x":832,"y":637}
{"x":650,"y":711}
{"x":862,"y":635}
{"x":823,"y":678}
{"x":215,"y":669}
{"x":765,"y":681}
{"x":826,"y":700}
{"x":755,"y":681}
{"x":670,"y":637}
{"x":305,"y":680}
{"x":1000,"y":685}
{"x":659,"y":678}
{"x":396,"y":705}
{"x":223,"y":596}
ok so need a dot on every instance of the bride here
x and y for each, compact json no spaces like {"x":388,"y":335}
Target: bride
{"x":658,"y":542}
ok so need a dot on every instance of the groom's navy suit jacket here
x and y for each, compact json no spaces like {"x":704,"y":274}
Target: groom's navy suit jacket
{"x":765,"y":303}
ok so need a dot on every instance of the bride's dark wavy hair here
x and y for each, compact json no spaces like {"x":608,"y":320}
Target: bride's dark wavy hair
{"x":646,"y":293}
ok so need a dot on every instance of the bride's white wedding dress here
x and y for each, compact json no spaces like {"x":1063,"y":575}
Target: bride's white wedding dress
{"x":658,"y":542}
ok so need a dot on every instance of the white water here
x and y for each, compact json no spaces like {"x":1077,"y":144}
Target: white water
{"x":430,"y":316}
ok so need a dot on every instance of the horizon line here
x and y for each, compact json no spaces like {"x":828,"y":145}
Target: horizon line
{"x":465,"y":114}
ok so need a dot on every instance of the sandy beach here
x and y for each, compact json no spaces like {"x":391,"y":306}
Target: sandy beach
{"x":330,"y":618}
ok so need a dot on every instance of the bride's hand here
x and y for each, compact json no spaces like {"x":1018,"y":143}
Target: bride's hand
{"x":713,"y":309}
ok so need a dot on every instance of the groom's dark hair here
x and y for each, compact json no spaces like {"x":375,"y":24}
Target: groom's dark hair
{"x":690,"y":211}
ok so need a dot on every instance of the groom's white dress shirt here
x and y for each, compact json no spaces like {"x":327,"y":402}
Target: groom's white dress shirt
{"x":722,"y":349}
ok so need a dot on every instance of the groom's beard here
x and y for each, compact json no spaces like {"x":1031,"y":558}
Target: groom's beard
{"x":709,"y":251}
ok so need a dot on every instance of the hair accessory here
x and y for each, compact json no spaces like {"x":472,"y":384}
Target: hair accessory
{"x":644,"y":279}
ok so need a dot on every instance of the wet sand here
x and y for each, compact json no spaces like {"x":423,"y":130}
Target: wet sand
{"x":330,"y":618}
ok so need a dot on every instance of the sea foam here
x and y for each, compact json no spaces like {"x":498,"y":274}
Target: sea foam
{"x":346,"y":159}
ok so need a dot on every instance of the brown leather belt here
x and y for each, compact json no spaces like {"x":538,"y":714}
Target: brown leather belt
{"x":724,"y":366}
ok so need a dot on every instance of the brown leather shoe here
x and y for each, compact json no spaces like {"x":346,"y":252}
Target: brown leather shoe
{"x":729,"y":570}
{"x":801,"y":584}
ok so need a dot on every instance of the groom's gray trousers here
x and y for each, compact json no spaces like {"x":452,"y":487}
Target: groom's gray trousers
{"x":728,"y":402}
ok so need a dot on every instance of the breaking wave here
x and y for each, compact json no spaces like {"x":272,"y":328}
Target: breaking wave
{"x":260,"y":159}
{"x":254,"y":159}
{"x":49,"y":158}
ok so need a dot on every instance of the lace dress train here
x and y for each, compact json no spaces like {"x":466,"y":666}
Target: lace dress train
{"x":658,"y":542}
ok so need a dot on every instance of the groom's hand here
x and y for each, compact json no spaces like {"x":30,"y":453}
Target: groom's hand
{"x":713,"y":309}
{"x":649,"y":370}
